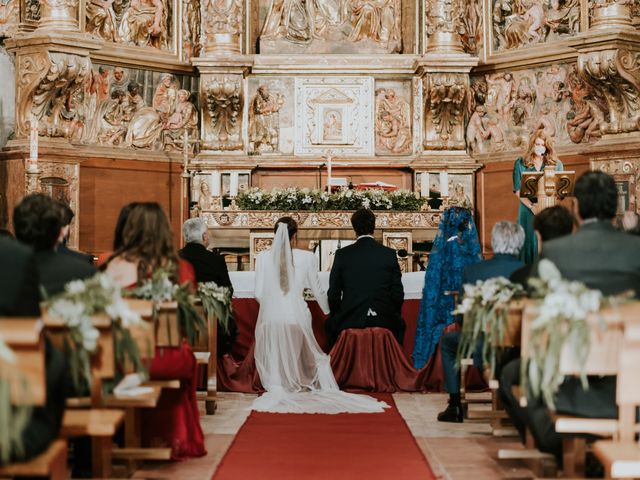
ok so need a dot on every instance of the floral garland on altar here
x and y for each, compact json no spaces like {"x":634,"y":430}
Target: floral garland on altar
{"x":293,"y":198}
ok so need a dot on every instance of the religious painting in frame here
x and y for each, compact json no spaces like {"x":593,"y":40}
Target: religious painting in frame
{"x":258,"y":243}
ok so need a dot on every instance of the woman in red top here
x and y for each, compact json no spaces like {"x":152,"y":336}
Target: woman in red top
{"x":147,"y":244}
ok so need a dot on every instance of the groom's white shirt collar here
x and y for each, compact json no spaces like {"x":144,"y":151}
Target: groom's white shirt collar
{"x":364,"y":236}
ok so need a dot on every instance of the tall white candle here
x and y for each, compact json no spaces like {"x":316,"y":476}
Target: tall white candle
{"x":216,"y":180}
{"x":33,"y":144}
{"x":233,"y":184}
{"x":329,"y":176}
{"x":444,"y":184}
{"x":185,"y":148}
{"x":424,"y":184}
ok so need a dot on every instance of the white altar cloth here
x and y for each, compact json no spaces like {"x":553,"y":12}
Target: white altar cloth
{"x":244,"y":282}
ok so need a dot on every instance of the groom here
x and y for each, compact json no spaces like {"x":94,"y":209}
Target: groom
{"x":365,"y":286}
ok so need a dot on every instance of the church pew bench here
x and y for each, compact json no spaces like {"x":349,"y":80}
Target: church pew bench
{"x":207,"y":342}
{"x":99,"y":424}
{"x":52,"y":463}
{"x":621,"y":456}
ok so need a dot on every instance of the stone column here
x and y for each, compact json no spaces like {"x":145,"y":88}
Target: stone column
{"x":59,"y":15}
{"x":609,"y":61}
{"x":222,"y":26}
{"x":444,"y":70}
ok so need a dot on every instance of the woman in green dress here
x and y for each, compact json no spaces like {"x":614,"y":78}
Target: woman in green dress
{"x":540,"y":153}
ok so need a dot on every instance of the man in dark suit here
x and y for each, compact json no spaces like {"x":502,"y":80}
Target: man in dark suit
{"x":66,"y":215}
{"x":365,"y":285}
{"x":20,"y":297}
{"x":37,"y":222}
{"x":604,"y":259}
{"x":209,"y":267}
{"x":507,"y":239}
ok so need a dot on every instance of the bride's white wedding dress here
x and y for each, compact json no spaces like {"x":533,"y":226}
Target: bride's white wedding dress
{"x":294,"y":371}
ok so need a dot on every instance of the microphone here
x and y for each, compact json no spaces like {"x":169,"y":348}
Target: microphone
{"x":402,"y":253}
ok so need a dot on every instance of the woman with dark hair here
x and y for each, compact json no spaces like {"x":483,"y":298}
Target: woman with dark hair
{"x":540,"y":153}
{"x":147,"y":245}
{"x":294,"y":372}
{"x":117,"y":234}
{"x":456,"y":245}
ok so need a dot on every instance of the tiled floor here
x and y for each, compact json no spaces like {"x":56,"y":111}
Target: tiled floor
{"x":455,"y":451}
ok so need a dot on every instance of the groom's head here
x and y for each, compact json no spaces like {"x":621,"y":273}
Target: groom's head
{"x":363,"y":222}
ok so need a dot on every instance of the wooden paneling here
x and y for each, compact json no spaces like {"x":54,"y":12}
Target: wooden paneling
{"x":495,"y":200}
{"x":107,"y":185}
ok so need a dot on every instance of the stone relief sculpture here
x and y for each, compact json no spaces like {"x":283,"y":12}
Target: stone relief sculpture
{"x":505,"y":108}
{"x":473,"y":23}
{"x":444,"y":18}
{"x":191,"y":29}
{"x":393,"y":123}
{"x":224,"y":109}
{"x":9,"y":17}
{"x":224,"y":16}
{"x":332,"y":26}
{"x":264,"y":121}
{"x":446,"y":102}
{"x":518,"y":23}
{"x":101,"y":19}
{"x":145,"y":23}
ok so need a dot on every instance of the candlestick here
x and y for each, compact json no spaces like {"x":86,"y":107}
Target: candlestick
{"x":185,"y":149}
{"x":216,"y":180}
{"x":444,"y":184}
{"x":329,"y":168}
{"x":424,"y":184}
{"x":233,"y":185}
{"x":33,"y":144}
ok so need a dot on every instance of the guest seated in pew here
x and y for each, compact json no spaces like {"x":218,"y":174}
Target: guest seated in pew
{"x":117,"y":233}
{"x":38,"y":223}
{"x":550,"y":223}
{"x":604,"y":259}
{"x":209,"y":266}
{"x":20,"y":297}
{"x":507,"y":239}
{"x":365,"y":284}
{"x":147,"y":244}
{"x":67,"y":215}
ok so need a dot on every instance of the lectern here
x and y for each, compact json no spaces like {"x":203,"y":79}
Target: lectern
{"x":547,"y":186}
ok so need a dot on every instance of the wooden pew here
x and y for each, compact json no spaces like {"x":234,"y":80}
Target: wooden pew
{"x":207,"y":343}
{"x":621,"y":456}
{"x":25,"y":338}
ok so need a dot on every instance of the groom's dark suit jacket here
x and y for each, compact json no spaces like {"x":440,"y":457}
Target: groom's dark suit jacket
{"x":365,"y":289}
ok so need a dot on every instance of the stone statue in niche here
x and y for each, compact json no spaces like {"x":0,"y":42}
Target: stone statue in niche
{"x":393,"y":123}
{"x":518,"y":23}
{"x":101,"y":19}
{"x":224,"y":106}
{"x":145,"y":24}
{"x":332,"y":26}
{"x":224,"y":16}
{"x":264,"y":121}
{"x":377,"y":21}
{"x":191,"y":29}
{"x":204,"y":195}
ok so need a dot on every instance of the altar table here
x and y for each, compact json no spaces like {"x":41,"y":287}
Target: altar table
{"x":236,"y":372}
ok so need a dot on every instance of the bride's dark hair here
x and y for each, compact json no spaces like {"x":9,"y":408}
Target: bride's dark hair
{"x":292,"y":226}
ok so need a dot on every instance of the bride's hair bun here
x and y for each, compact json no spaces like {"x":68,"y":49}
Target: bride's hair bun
{"x":292,"y":225}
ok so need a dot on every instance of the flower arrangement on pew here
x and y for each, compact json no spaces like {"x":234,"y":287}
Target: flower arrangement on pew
{"x":288,"y":199}
{"x":561,"y":318}
{"x":159,"y":288}
{"x":216,"y":300}
{"x":485,"y":309}
{"x":13,"y":418}
{"x":82,"y":300}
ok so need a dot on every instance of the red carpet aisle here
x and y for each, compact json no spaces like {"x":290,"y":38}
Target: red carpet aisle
{"x":372,"y":446}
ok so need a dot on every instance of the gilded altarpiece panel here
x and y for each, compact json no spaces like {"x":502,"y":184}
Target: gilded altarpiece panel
{"x":9,"y":17}
{"x":393,"y":118}
{"x":523,"y":23}
{"x":507,"y":106}
{"x":271,"y":115}
{"x":334,"y":114}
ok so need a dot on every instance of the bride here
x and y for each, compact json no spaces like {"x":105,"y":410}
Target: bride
{"x":295,"y":373}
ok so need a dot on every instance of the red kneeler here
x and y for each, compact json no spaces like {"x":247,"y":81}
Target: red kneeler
{"x":371,"y":359}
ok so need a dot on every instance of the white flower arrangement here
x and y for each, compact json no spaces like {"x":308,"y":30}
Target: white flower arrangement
{"x":76,"y":305}
{"x":484,"y":307}
{"x":216,"y":300}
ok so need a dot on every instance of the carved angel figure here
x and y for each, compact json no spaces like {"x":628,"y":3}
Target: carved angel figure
{"x":393,"y":122}
{"x":144,"y":24}
{"x":264,"y":120}
{"x":378,"y":20}
{"x":101,"y":19}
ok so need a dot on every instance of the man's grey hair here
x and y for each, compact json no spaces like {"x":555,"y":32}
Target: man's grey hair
{"x":507,"y":238}
{"x":193,"y":230}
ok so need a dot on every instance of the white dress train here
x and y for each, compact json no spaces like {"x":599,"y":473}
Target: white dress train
{"x":294,"y":371}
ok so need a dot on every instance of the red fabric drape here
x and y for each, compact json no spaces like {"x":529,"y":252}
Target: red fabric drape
{"x":392,"y":362}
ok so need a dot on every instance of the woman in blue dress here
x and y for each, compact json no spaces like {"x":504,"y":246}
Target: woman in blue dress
{"x":456,"y":245}
{"x":540,"y":153}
